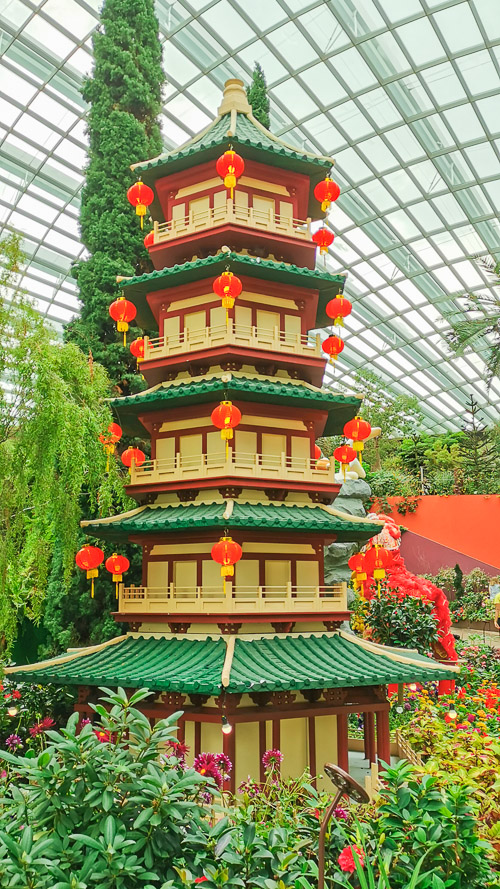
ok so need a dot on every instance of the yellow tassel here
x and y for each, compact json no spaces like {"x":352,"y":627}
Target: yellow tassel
{"x":125,"y":336}
{"x":92,"y":588}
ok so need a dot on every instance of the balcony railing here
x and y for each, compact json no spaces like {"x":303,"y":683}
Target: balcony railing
{"x":237,"y":465}
{"x":202,"y":220}
{"x":212,"y":599}
{"x":232,"y":334}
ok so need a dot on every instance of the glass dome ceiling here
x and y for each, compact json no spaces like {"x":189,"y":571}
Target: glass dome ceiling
{"x":403,"y":93}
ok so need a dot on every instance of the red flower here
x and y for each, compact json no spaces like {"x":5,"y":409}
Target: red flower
{"x":346,"y":859}
{"x":103,"y":736}
{"x":16,"y":694}
{"x":201,"y":879}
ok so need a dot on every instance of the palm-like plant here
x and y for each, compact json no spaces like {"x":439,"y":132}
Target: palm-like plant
{"x":481,"y":331}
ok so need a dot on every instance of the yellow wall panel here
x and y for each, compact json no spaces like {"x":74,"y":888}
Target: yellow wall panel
{"x":326,"y":747}
{"x":158,"y":574}
{"x":307,"y":573}
{"x":277,"y":572}
{"x":211,"y":737}
{"x":185,"y":573}
{"x":247,"y":751}
{"x":294,"y":746}
{"x":165,"y":448}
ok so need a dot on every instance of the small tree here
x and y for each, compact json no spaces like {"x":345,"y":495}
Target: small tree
{"x":477,"y":453}
{"x":258,"y":97}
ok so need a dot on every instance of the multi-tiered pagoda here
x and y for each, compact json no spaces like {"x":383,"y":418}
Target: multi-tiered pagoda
{"x":260,"y":651}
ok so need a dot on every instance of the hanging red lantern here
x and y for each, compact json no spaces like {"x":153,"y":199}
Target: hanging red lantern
{"x":338,"y":309}
{"x":230,"y":166}
{"x":137,"y":349}
{"x":357,"y":565}
{"x":122,"y":311}
{"x":228,"y":287}
{"x":117,"y":565}
{"x":109,"y":441}
{"x":226,"y":553}
{"x":323,"y":238}
{"x":358,"y":431}
{"x":140,"y":196}
{"x":149,"y":239}
{"x":326,"y":191}
{"x":377,"y":558}
{"x":88,"y":558}
{"x":333,"y":346}
{"x":226,"y":416}
{"x":133,"y":457}
{"x":345,"y":455}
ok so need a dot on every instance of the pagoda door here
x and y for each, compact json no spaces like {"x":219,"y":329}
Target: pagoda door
{"x":268,"y":326}
{"x":273,"y":450}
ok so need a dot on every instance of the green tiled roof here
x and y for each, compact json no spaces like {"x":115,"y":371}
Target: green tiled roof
{"x":138,"y":287}
{"x":270,"y":663}
{"x":270,"y":516}
{"x":341,"y":408}
{"x":256,"y":143}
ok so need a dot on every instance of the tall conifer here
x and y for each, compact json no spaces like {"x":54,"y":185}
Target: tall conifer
{"x":124,"y":93}
{"x":258,"y":98}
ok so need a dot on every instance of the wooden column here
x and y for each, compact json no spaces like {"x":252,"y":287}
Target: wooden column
{"x":197,"y":738}
{"x":181,"y":731}
{"x":311,"y":727}
{"x":262,"y":750}
{"x":229,"y":748}
{"x":383,"y":738}
{"x":276,"y":734}
{"x":369,"y":737}
{"x":342,"y":742}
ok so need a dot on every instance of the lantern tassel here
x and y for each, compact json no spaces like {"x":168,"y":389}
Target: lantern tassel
{"x":125,"y":333}
{"x":92,"y":588}
{"x":227,"y":450}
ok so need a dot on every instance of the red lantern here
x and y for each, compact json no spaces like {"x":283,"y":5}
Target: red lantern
{"x":323,"y":238}
{"x":226,"y":417}
{"x":226,"y":553}
{"x":137,"y":349}
{"x":358,"y":431}
{"x":88,"y":558}
{"x":228,"y":287}
{"x":109,"y":441}
{"x":149,"y":239}
{"x":338,"y":308}
{"x":133,"y":457}
{"x":357,"y":565}
{"x":345,"y":455}
{"x":333,"y":346}
{"x":140,"y":196}
{"x":377,"y":558}
{"x":317,"y":452}
{"x":122,"y":311}
{"x":326,"y":191}
{"x":117,"y":565}
{"x":230,"y":166}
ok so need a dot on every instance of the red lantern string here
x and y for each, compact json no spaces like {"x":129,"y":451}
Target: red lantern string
{"x":326,"y":191}
{"x":122,"y":311}
{"x":88,"y":558}
{"x":140,"y":196}
{"x":109,"y":441}
{"x":117,"y":565}
{"x":133,"y":457}
{"x":323,"y":238}
{"x":358,"y":431}
{"x":338,"y":309}
{"x":345,"y":455}
{"x":226,"y":416}
{"x":226,"y":553}
{"x":230,"y":166}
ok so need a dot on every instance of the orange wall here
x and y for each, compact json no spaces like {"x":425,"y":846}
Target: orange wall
{"x":467,"y":523}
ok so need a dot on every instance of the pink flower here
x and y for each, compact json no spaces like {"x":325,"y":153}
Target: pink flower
{"x":206,"y":765}
{"x":224,"y":764}
{"x":40,"y":727}
{"x":272,"y":759}
{"x":346,"y":859}
{"x":13,"y":742}
{"x":340,"y":813}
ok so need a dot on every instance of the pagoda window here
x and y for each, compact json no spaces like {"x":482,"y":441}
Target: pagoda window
{"x":191,"y":446}
{"x":300,"y":447}
{"x":307,"y":573}
{"x":247,"y":574}
{"x":241,"y":204}
{"x":245,"y":444}
{"x":268,"y":323}
{"x":171,"y":329}
{"x":179,"y":221}
{"x":263,"y":210}
{"x":157,"y":574}
{"x":210,"y":574}
{"x":185,"y":574}
{"x":218,"y":317}
{"x":220,"y":205}
{"x":243,"y":319}
{"x":286,"y":211}
{"x":199,"y":211}
{"x":195,"y":326}
{"x":293,"y":328}
{"x":216,"y":447}
{"x":273,"y":446}
{"x":165,"y":448}
{"x":277,"y":573}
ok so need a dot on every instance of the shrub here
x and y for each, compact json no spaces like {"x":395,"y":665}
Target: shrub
{"x":407,"y":622}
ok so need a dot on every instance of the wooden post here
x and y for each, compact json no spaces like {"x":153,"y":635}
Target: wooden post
{"x":276,"y":733}
{"x":197,"y":738}
{"x":369,"y":734}
{"x":311,"y":726}
{"x":342,"y":742}
{"x":383,"y":738}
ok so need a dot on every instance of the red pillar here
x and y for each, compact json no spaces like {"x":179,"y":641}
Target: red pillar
{"x":276,"y":734}
{"x":383,"y":738}
{"x":342,"y":742}
{"x":197,"y":738}
{"x":369,"y":736}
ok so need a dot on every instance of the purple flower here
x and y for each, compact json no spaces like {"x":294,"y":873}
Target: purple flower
{"x":341,"y":813}
{"x":272,"y":759}
{"x":224,"y":764}
{"x":13,"y":742}
{"x":250,"y":788}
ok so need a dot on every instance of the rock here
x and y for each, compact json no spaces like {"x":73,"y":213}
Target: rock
{"x":336,"y":557}
{"x":356,"y":488}
{"x":350,"y":505}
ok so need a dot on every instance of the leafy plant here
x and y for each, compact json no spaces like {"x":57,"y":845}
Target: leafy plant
{"x":406,"y":621}
{"x":471,"y":331}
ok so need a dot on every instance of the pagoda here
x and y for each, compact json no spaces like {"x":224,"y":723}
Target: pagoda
{"x":256,"y":658}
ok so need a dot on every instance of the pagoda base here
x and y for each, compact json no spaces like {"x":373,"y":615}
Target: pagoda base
{"x":281,"y":621}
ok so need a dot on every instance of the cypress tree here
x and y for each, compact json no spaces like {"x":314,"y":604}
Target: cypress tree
{"x":124,"y":92}
{"x":477,"y":452}
{"x":258,"y":98}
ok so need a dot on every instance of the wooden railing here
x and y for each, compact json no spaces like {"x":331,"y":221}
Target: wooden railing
{"x":266,"y":220}
{"x":271,"y":340}
{"x":212,"y":599}
{"x":406,"y":751}
{"x":236,"y":464}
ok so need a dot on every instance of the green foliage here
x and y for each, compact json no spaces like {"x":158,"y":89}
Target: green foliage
{"x":124,"y":93}
{"x":51,"y":414}
{"x":444,"y":579}
{"x":258,"y":97}
{"x":478,"y":454}
{"x":393,"y":483}
{"x":479,"y":333}
{"x":406,"y":622}
{"x":29,"y":705}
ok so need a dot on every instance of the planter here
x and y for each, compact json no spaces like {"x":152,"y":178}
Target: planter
{"x":483,"y":626}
